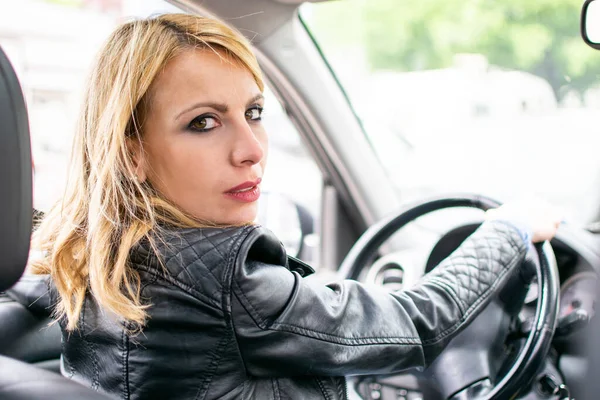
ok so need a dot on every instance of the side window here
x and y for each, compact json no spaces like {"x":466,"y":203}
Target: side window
{"x":291,"y":201}
{"x":52,"y":57}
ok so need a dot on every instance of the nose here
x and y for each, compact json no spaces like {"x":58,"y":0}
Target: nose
{"x":247,"y":148}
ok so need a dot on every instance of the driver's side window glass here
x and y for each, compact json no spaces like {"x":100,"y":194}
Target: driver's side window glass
{"x":292,"y":184}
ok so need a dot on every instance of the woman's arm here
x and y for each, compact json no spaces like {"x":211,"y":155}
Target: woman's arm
{"x":286,"y":325}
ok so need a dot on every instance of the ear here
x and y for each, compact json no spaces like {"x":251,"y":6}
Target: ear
{"x":136,"y":152}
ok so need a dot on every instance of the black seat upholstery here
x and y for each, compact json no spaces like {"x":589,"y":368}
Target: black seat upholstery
{"x":15,"y":179}
{"x":27,"y":336}
{"x":27,"y":333}
{"x":19,"y":380}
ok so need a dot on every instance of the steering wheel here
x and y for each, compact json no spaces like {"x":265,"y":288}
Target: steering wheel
{"x":467,"y":368}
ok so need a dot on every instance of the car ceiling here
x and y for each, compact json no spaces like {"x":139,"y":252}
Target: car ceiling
{"x":300,"y":1}
{"x":256,"y":19}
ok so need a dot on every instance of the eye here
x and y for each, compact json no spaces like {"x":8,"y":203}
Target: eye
{"x":254,"y":113}
{"x":203,"y":123}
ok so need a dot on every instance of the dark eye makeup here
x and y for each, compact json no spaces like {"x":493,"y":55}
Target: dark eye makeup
{"x":208,"y":122}
{"x":203,"y":123}
{"x":254,"y":113}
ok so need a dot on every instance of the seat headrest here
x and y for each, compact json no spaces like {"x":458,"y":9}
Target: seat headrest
{"x":15,"y":177}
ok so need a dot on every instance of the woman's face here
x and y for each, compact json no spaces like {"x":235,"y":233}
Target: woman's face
{"x":205,"y":146}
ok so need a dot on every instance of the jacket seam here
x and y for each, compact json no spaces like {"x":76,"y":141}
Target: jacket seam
{"x":341,"y":386}
{"x":275,"y":385}
{"x":231,"y":259}
{"x":258,"y":319}
{"x":215,"y":360}
{"x":64,"y":357}
{"x":125,"y":343}
{"x":448,"y":289}
{"x":511,"y":234}
{"x":96,"y":379}
{"x":323,"y":389}
{"x":328,"y":337}
{"x":152,"y":281}
{"x":125,"y":339}
{"x":228,"y":290}
{"x":469,"y":310}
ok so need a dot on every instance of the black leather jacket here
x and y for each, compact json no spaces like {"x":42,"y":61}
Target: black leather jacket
{"x":233,"y":318}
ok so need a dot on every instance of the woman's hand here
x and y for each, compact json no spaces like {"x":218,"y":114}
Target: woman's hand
{"x":535,"y":217}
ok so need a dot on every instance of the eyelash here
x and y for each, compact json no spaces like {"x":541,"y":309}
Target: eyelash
{"x":260,"y":112}
{"x":213,"y":117}
{"x":200,"y":118}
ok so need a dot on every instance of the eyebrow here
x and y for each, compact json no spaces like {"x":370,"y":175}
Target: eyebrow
{"x":220,"y":107}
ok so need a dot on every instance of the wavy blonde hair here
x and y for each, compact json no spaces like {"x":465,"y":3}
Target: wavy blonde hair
{"x":86,"y":238}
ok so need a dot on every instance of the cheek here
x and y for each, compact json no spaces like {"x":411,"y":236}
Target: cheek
{"x":192,"y":164}
{"x":181,"y":164}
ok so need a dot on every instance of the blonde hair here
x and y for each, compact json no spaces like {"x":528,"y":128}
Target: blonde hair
{"x":87,"y":237}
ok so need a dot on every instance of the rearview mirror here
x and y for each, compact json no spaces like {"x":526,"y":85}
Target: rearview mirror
{"x":590,"y":23}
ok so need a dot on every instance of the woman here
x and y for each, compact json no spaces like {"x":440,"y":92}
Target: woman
{"x":164,"y":287}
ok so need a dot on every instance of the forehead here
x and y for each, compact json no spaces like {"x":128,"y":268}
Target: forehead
{"x":202,"y":75}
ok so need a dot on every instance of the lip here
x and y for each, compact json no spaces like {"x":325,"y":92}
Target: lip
{"x":245,"y":185}
{"x":247,"y":192}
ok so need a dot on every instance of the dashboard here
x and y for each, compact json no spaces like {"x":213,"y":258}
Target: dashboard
{"x":578,"y":293}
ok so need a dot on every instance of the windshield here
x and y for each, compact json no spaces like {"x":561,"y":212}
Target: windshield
{"x":494,"y":97}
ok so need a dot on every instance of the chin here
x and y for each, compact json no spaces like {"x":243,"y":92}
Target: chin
{"x":244,"y":217}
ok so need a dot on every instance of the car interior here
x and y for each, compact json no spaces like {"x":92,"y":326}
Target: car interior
{"x":544,"y":349}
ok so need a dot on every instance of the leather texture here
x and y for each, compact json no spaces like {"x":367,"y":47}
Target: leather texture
{"x":230,"y":317}
{"x":22,"y":381}
{"x":26,"y":335}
